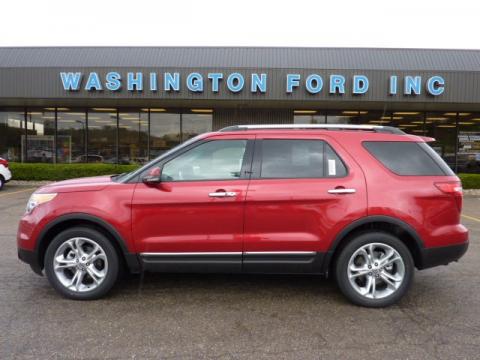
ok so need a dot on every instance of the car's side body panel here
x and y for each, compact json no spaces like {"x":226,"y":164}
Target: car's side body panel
{"x":111,"y":205}
{"x":270,"y":225}
{"x":184,"y":226}
{"x":287,"y":218}
{"x":414,"y":200}
{"x":182,"y":217}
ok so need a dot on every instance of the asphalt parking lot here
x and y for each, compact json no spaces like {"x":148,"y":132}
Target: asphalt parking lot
{"x":235,"y":316}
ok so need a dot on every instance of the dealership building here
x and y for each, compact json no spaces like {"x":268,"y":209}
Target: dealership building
{"x":126,"y":105}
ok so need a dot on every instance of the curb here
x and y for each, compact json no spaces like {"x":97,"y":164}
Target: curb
{"x":471,"y":192}
{"x":28,"y":183}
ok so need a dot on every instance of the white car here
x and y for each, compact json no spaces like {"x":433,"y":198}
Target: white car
{"x":5,"y":174}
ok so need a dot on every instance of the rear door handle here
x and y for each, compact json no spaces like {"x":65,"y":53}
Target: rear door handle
{"x":342,"y":191}
{"x":223,"y":194}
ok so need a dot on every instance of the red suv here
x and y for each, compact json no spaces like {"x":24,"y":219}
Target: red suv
{"x":366,"y":204}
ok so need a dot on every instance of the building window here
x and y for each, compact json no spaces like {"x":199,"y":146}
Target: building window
{"x":381,"y":118}
{"x":411,"y":122}
{"x":12,"y":133}
{"x":308,"y":117}
{"x":102,"y":135}
{"x":133,"y":137}
{"x":71,"y":136}
{"x":194,"y":124}
{"x":442,"y":127}
{"x":165,"y":131}
{"x":344,"y":116}
{"x":468,"y":157}
{"x":40,"y":141}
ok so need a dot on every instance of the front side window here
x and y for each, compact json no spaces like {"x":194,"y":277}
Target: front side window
{"x":299,"y":159}
{"x":213,"y":160}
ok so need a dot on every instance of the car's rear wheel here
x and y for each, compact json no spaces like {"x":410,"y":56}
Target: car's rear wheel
{"x":81,"y":264}
{"x":2,"y":182}
{"x":375,"y":269}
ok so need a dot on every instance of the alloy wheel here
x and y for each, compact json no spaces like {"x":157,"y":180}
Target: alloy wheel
{"x":376,"y":270}
{"x":80,"y":264}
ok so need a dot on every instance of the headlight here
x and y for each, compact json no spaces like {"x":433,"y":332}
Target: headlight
{"x":38,"y":199}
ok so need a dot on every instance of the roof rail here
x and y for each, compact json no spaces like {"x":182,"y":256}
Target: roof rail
{"x":375,"y":128}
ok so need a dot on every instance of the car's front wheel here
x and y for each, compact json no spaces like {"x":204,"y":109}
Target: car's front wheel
{"x":81,"y":264}
{"x":2,"y":182}
{"x":375,"y":269}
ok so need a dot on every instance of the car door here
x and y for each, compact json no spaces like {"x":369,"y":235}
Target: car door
{"x":303,"y":191}
{"x":193,"y":219}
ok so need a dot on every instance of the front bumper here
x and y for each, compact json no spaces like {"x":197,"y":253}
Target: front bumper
{"x":31,"y":259}
{"x":435,"y":256}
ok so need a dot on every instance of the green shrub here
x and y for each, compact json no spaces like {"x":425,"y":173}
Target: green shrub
{"x":470,"y":181}
{"x":24,"y":171}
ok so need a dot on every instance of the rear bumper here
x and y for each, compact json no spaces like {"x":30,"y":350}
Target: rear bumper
{"x":435,"y":256}
{"x":29,"y":257}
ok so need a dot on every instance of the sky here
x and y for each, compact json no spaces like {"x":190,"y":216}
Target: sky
{"x":362,"y":23}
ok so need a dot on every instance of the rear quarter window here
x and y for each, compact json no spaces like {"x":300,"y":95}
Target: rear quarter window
{"x":408,"y":158}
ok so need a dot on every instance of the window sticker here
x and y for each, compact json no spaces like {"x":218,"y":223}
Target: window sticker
{"x":332,"y":167}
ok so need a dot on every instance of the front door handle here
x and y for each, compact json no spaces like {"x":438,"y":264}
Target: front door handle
{"x":341,"y":191}
{"x":223,"y":194}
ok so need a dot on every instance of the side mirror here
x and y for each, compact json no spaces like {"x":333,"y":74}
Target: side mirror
{"x":154,"y":176}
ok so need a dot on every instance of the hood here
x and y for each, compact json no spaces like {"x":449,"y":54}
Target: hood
{"x":81,"y":184}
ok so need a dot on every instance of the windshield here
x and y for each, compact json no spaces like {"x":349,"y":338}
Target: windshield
{"x":128,"y":176}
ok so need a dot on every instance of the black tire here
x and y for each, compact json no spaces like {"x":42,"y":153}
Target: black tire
{"x":2,"y":182}
{"x":343,"y":258}
{"x":111,"y":255}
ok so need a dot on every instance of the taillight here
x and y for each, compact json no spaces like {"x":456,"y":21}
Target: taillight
{"x":4,"y":162}
{"x":453,"y":188}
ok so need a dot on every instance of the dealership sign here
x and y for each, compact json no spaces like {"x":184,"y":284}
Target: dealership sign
{"x":171,"y":82}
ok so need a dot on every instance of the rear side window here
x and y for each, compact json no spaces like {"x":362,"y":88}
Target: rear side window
{"x":299,"y":159}
{"x":408,"y":158}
